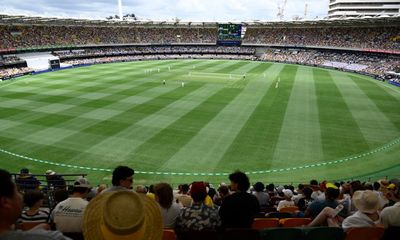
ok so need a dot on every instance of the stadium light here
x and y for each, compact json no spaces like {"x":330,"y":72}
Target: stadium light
{"x":120,"y":9}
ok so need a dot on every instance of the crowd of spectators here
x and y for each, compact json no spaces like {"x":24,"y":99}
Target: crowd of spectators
{"x":340,"y":37}
{"x":156,"y":57}
{"x":9,"y":59}
{"x":364,"y":37}
{"x":367,"y":63}
{"x":348,"y":205}
{"x":13,"y":72}
{"x":36,"y":36}
{"x":361,"y":37}
{"x":112,"y":54}
{"x":377,"y":65}
{"x":377,"y":37}
{"x":151,"y":50}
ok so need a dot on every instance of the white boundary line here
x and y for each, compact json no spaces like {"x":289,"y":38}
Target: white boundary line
{"x":376,"y":150}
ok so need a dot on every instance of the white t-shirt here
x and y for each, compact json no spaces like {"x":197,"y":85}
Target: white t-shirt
{"x":390,"y":216}
{"x":357,"y":220}
{"x":170,"y":215}
{"x":68,"y":214}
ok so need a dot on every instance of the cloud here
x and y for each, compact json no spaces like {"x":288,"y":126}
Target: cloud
{"x":188,"y":10}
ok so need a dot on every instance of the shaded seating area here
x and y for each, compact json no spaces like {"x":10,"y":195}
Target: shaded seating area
{"x":282,"y":234}
{"x":391,"y":233}
{"x":197,"y":235}
{"x":271,"y":233}
{"x":326,"y":233}
{"x":241,"y":234}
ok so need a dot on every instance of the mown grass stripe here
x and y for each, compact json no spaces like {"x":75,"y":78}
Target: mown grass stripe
{"x":148,"y":127}
{"x":24,"y":152}
{"x":217,"y":65}
{"x":300,"y":136}
{"x":211,"y":142}
{"x":254,"y":146}
{"x":231,"y":67}
{"x":384,"y":101}
{"x":338,"y":127}
{"x":260,"y":68}
{"x":154,"y":152}
{"x":243,"y":69}
{"x":109,"y":127}
{"x":376,"y":128}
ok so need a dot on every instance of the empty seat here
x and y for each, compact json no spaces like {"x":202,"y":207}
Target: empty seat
{"x":240,"y":234}
{"x":169,"y":234}
{"x":261,"y":223}
{"x":325,"y":233}
{"x":198,"y":235}
{"x":295,"y":222}
{"x":369,"y":233}
{"x":281,"y":234}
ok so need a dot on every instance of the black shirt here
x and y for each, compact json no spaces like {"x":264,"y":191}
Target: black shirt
{"x":238,"y":210}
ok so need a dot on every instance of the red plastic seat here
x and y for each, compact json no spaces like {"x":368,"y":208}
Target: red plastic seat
{"x":261,"y":223}
{"x":365,"y":233}
{"x":295,"y":222}
{"x":169,"y":234}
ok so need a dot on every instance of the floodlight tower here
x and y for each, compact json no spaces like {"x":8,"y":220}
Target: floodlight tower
{"x":305,"y":9}
{"x":120,"y":9}
{"x":281,"y":10}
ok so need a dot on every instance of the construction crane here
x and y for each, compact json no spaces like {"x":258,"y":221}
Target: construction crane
{"x":281,"y":10}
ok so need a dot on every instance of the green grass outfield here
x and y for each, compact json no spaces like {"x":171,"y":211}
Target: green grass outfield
{"x":281,"y":123}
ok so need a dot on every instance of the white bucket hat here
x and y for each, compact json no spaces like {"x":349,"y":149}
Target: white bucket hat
{"x":366,"y":201}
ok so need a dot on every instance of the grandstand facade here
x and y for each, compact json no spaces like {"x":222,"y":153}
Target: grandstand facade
{"x":363,"y":8}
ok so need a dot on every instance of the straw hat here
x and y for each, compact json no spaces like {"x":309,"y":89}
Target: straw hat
{"x":122,"y":215}
{"x":366,"y":201}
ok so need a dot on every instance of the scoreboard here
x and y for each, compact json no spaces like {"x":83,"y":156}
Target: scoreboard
{"x":229,"y":34}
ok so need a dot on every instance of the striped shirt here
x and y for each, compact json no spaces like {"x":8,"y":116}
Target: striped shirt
{"x":40,"y":216}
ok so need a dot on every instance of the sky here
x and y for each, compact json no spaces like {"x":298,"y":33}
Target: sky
{"x":167,"y":10}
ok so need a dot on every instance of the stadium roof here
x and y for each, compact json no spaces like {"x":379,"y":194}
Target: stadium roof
{"x":344,"y":21}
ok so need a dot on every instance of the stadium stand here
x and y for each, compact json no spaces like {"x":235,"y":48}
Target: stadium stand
{"x":359,"y":45}
{"x":365,"y":46}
